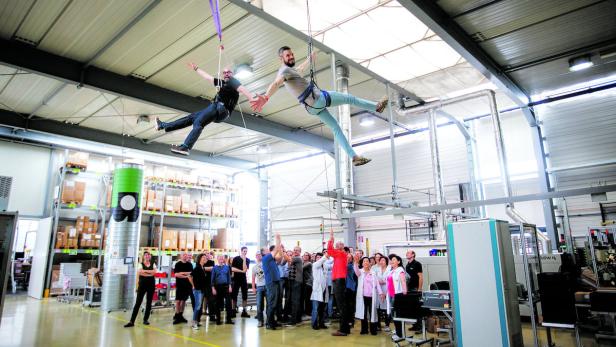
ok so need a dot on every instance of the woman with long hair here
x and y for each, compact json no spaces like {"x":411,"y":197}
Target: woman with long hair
{"x":146,"y":271}
{"x":396,"y":289}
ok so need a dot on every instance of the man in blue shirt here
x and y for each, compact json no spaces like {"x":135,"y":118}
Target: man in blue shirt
{"x":221,"y":288}
{"x":272,"y":278}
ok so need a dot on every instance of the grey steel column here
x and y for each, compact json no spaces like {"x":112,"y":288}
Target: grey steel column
{"x":394,"y":167}
{"x":122,"y":244}
{"x":437,"y":173}
{"x":544,"y":186}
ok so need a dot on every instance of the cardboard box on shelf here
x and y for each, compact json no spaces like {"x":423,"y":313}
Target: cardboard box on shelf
{"x":220,"y":240}
{"x":177,"y":204}
{"x":187,"y":206}
{"x":97,"y":241}
{"x":94,"y":278}
{"x":80,"y":191}
{"x":170,"y":239}
{"x":204,"y":208}
{"x":158,"y":203}
{"x":78,"y":159}
{"x":68,"y":192}
{"x":199,"y":240}
{"x":169,"y":203}
{"x":190,"y":239}
{"x":109,"y":191}
{"x":61,"y":238}
{"x":182,"y":239}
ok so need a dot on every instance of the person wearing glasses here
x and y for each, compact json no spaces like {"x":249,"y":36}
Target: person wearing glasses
{"x":219,"y":110}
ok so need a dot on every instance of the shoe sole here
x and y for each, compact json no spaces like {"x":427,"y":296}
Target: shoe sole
{"x":179,"y":151}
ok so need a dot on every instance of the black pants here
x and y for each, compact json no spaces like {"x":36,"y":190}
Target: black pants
{"x":306,"y":298}
{"x":350,"y":305}
{"x":295,"y":298}
{"x":281,"y":314}
{"x":339,"y":293}
{"x":141,"y":292}
{"x":198,"y":120}
{"x":367,"y":321}
{"x":398,"y":309}
{"x":222,"y":301}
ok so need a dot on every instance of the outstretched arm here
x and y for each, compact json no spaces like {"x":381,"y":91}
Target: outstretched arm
{"x":202,"y":73}
{"x":249,"y":95}
{"x":261,"y":100}
{"x":301,"y":67}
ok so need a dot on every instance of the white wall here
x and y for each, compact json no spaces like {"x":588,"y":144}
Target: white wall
{"x":29,"y":167}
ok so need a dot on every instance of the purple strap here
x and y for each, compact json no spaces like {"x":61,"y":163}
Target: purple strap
{"x":214,"y":7}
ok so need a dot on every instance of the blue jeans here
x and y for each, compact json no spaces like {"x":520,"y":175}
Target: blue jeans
{"x":271,"y":290}
{"x":338,"y":99}
{"x":198,"y":120}
{"x":197,"y":303}
{"x":318,"y":313}
{"x":260,"y":302}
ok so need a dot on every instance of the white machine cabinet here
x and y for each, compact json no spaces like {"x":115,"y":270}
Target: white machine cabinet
{"x":482,"y":271}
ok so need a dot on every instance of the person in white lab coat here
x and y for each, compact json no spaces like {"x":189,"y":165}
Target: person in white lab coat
{"x":320,"y":292}
{"x":367,"y":298}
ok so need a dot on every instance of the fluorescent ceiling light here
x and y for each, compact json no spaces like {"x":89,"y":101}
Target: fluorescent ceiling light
{"x":243,"y":71}
{"x":366,"y":121}
{"x":580,"y":63}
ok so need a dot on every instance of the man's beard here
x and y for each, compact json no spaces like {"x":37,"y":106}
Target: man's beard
{"x":290,"y":63}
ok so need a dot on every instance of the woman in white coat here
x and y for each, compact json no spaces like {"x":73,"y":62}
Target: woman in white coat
{"x":320,"y":294}
{"x":366,"y":300}
{"x":381,"y":270}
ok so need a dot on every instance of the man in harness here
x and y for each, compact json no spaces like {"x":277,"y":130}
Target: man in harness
{"x":316,"y":101}
{"x":221,"y":107}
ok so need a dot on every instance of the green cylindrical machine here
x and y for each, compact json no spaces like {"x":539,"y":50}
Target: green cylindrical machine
{"x":122,"y":243}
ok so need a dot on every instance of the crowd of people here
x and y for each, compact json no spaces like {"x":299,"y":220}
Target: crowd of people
{"x":291,"y":287}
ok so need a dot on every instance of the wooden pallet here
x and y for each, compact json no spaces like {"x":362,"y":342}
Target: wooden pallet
{"x":78,"y":203}
{"x":148,"y":249}
{"x":153,"y":210}
{"x":169,"y":249}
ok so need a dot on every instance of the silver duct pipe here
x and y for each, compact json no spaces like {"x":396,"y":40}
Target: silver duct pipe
{"x":513,"y":214}
{"x":122,"y":243}
{"x":394,"y":169}
{"x":403,"y":111}
{"x":461,"y":126}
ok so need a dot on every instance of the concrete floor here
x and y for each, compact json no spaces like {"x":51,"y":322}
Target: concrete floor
{"x":30,"y":322}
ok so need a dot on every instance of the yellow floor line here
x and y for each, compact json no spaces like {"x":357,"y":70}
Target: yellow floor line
{"x":157,"y":330}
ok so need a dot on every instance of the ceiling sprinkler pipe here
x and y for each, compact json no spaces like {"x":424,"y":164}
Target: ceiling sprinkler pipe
{"x":514,"y":214}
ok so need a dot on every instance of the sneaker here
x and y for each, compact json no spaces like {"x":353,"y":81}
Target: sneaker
{"x":260,"y":325}
{"x":386,"y":329}
{"x":195,"y":326}
{"x":245,"y":314}
{"x":145,"y":322}
{"x":359,"y":161}
{"x":338,"y":333}
{"x":181,"y":149}
{"x":157,"y":124}
{"x":230,"y":322}
{"x":182,"y":319}
{"x":382,"y":104}
{"x":129,"y":324}
{"x":396,"y":338}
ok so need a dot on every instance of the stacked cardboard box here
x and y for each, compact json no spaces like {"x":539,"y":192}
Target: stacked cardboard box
{"x":87,"y":230}
{"x":72,"y":237}
{"x":61,"y":238}
{"x":199,"y":235}
{"x":204,"y":208}
{"x":219,"y":208}
{"x":190,"y":240}
{"x":220,"y":240}
{"x":78,"y":159}
{"x":188,"y":205}
{"x":73,"y":192}
{"x":170,"y":239}
{"x":182,"y":239}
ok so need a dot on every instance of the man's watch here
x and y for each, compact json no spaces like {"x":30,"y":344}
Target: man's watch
{"x":196,"y":68}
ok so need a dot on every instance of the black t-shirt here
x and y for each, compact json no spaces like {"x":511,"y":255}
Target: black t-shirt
{"x":208,"y":274}
{"x":238,"y":263}
{"x":228,"y":93}
{"x":182,"y":267}
{"x":198,"y":277}
{"x":413,"y":269}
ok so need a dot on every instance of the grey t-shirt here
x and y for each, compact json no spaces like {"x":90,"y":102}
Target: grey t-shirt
{"x":296,"y":84}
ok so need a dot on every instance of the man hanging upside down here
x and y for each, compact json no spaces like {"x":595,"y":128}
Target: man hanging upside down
{"x":221,"y":107}
{"x":316,"y":101}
